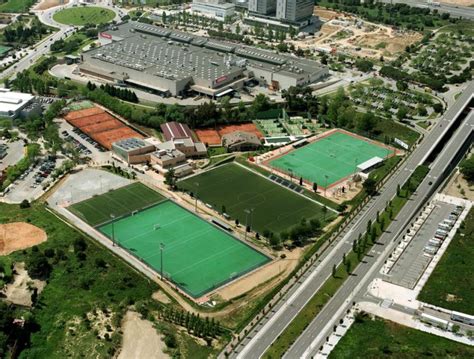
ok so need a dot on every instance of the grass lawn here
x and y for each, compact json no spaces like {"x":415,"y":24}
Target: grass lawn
{"x":120,"y":202}
{"x":329,"y":159}
{"x":234,"y":189}
{"x":197,"y":256}
{"x":450,"y":285}
{"x":84,"y":15}
{"x":380,"y":338}
{"x":16,"y":6}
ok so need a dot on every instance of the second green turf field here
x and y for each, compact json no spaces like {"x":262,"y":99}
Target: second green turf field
{"x":116,"y":203}
{"x":237,"y":189}
{"x":329,"y":159}
{"x":197,"y":256}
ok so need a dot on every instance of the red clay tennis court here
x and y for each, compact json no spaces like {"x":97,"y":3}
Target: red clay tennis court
{"x":213,"y":137}
{"x":101,"y":126}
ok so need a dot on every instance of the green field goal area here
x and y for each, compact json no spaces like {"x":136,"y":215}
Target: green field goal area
{"x":329,"y":159}
{"x":239,"y":190}
{"x":115,"y":203}
{"x":197,"y":256}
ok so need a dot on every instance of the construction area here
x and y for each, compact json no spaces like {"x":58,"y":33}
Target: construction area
{"x":343,"y":33}
{"x":101,"y":126}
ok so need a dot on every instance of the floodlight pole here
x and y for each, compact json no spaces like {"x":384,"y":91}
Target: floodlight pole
{"x":113,"y":229}
{"x":196,"y":197}
{"x":162,"y":247}
{"x":247,"y":211}
{"x":325,"y":184}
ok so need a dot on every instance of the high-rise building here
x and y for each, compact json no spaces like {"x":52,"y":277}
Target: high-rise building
{"x":294,"y":10}
{"x":262,"y":7}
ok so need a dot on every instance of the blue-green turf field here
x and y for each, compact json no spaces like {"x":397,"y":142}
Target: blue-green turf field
{"x":329,"y":159}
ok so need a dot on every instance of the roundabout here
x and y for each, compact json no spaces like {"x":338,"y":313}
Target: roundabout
{"x":79,"y":16}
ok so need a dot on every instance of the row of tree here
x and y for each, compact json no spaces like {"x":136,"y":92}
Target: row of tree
{"x":203,"y":328}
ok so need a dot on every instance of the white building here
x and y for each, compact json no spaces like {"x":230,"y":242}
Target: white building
{"x":15,"y":104}
{"x":217,"y":9}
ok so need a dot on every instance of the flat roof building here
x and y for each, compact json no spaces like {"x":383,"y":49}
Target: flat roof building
{"x":241,"y":141}
{"x":186,"y":146}
{"x":16,"y":104}
{"x":217,"y":9}
{"x":167,"y":158}
{"x":133,"y":150}
{"x":170,"y":62}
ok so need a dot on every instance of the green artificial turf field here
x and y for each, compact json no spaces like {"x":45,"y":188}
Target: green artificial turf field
{"x":84,"y":15}
{"x":197,"y":256}
{"x":335,"y":156}
{"x":118,"y":203}
{"x":237,"y":189}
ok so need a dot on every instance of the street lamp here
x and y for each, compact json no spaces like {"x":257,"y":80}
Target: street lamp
{"x":162,"y":247}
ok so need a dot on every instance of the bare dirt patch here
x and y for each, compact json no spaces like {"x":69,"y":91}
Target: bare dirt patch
{"x":350,"y":34}
{"x":19,"y":235}
{"x":140,"y":339}
{"x":19,"y":291}
{"x":277,"y":270}
{"x":48,"y":4}
{"x":161,"y":297}
{"x":102,"y":322}
{"x":459,"y":187}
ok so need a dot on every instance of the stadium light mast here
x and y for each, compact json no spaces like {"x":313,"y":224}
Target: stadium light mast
{"x":325,"y":184}
{"x":162,"y":247}
{"x":247,"y":211}
{"x":196,"y":197}
{"x":112,"y":216}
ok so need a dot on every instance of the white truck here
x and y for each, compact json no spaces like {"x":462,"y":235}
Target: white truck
{"x":433,"y":3}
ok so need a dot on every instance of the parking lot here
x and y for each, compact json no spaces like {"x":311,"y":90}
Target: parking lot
{"x":14,"y":153}
{"x":30,"y":184}
{"x":419,"y":251}
{"x":82,"y":143}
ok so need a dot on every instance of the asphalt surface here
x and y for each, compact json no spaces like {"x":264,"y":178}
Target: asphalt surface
{"x":464,"y":12}
{"x":42,"y":48}
{"x":272,"y":325}
{"x":413,"y":261}
{"x":315,"y":334}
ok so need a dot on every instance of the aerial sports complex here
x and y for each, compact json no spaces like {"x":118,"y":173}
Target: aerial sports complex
{"x":329,"y":159}
{"x":188,"y":251}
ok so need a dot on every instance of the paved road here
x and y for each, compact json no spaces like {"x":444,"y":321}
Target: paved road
{"x":315,"y":334}
{"x":43,"y":47}
{"x":454,"y":10}
{"x":256,"y":343}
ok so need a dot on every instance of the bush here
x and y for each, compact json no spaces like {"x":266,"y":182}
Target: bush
{"x":25,"y":204}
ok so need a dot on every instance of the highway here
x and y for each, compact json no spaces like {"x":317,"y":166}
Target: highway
{"x":42,"y":48}
{"x":315,"y":334}
{"x":272,"y":325}
{"x":464,"y":12}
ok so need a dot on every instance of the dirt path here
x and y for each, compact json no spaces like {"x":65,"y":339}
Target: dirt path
{"x":140,"y":339}
{"x":19,"y":235}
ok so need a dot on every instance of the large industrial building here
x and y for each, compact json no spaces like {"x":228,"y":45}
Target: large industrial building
{"x":17,"y":104}
{"x":174,"y":63}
